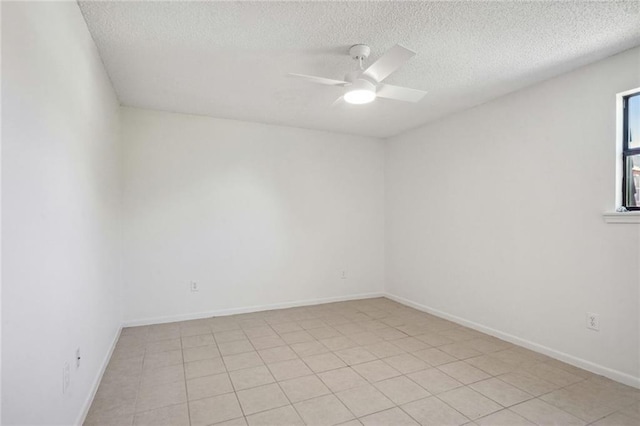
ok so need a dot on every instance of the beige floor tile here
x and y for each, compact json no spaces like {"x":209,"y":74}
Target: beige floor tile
{"x":267,"y":342}
{"x":503,"y":418}
{"x":200,"y":352}
{"x":251,"y":377}
{"x":172,"y":373}
{"x":469,"y":402}
{"x":174,"y":415}
{"x":341,"y":379}
{"x":617,"y":419}
{"x":488,"y":344}
{"x":235,"y":347}
{"x":286,"y":327}
{"x":338,"y":343}
{"x":632,"y":410}
{"x":406,"y":363}
{"x":260,"y":331}
{"x":195,"y":330}
{"x":410,"y":344}
{"x":279,"y":416}
{"x":553,"y":375}
{"x":364,"y":400}
{"x":543,"y":414}
{"x":323,"y":411}
{"x":501,"y":392}
{"x":354,"y":422}
{"x":297,"y":337}
{"x":384,"y":349}
{"x":463,"y":372}
{"x":350,"y":328}
{"x":365,"y":338}
{"x":117,"y":369}
{"x":433,"y":412}
{"x":324,"y":332}
{"x":281,"y":353}
{"x":262,"y":398}
{"x":309,"y":348}
{"x":199,"y":340}
{"x":162,"y":359}
{"x":528,"y":383}
{"x":303,"y":388}
{"x":434,"y":339}
{"x":434,"y":380}
{"x":289,"y":369}
{"x":587,"y":407}
{"x":208,"y":386}
{"x":434,"y":356}
{"x":357,"y":355}
{"x":161,"y":395}
{"x":163,"y":334}
{"x":229,"y":336}
{"x":401,"y":390}
{"x":108,"y":419}
{"x":389,"y":333}
{"x":391,"y":417}
{"x":375,"y":371}
{"x":490,"y":365}
{"x":323,"y":362}
{"x":116,"y":397}
{"x":243,"y":360}
{"x":235,"y":422}
{"x":163,"y":346}
{"x":459,"y":350}
{"x":213,"y":410}
{"x":205,"y":367}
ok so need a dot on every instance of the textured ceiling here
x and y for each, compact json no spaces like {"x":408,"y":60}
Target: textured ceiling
{"x":230,"y":59}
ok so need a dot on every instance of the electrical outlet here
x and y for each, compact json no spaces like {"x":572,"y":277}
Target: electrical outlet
{"x":66,"y":377}
{"x":194,"y":286}
{"x":593,"y":321}
{"x":77,"y":358}
{"x":344,"y":275}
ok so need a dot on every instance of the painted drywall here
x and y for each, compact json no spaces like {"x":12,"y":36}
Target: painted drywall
{"x":494,"y":215}
{"x":257,"y":215}
{"x":61,"y":188}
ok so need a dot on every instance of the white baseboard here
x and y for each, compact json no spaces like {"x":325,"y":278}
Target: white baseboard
{"x":616,"y":375}
{"x":94,"y":387}
{"x":257,"y":308}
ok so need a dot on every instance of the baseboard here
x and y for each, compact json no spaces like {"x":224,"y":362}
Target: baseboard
{"x":244,"y":310}
{"x":616,"y":375}
{"x":94,"y":387}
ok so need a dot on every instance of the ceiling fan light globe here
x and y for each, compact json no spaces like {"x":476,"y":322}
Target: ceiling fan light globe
{"x":359,"y":96}
{"x":360,"y":92}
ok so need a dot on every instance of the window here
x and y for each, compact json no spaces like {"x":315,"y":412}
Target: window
{"x":631,"y":152}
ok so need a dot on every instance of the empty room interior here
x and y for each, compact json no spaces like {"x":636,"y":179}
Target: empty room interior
{"x":320,"y":213}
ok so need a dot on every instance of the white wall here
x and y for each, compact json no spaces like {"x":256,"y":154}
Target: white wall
{"x":494,"y":215}
{"x":258,"y":215}
{"x":61,"y":241}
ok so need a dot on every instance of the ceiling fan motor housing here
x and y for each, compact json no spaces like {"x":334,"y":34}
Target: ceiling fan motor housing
{"x":359,"y":51}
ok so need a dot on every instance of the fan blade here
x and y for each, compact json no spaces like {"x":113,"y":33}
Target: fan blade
{"x":399,"y":93}
{"x":319,"y":80}
{"x":393,"y":59}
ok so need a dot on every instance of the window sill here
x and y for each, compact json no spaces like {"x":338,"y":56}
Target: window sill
{"x":622,"y":217}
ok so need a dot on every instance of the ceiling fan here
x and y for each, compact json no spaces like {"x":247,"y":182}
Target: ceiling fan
{"x":365,"y":85}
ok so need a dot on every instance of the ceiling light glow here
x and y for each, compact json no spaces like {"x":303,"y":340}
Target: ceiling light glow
{"x":360,"y":92}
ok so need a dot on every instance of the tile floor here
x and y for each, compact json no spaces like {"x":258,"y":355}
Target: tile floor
{"x":366,"y":362}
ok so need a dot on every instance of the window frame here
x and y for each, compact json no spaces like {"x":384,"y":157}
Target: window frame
{"x":626,"y":151}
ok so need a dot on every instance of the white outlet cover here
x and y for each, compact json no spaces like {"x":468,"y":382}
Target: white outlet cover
{"x":593,"y":321}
